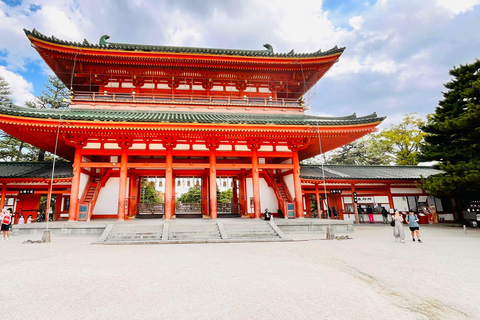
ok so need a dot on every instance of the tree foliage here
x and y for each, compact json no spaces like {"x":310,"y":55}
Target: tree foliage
{"x":398,"y":144}
{"x":193,"y":195}
{"x":5,"y":92}
{"x":453,"y":135}
{"x":55,"y":96}
{"x":148,"y":193}
{"x":403,"y":140}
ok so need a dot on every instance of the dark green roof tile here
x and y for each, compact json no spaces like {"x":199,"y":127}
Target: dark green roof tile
{"x":103,"y":44}
{"x":367,"y":172}
{"x":185,"y":116}
{"x":35,"y":170}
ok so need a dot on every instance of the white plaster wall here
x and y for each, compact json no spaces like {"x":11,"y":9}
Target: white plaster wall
{"x":107,"y":203}
{"x":289,"y":184}
{"x":405,"y":190}
{"x":400,"y":203}
{"x":381,"y":199}
{"x":83,"y":184}
{"x":267,"y":196}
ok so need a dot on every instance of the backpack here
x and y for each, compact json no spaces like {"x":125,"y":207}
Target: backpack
{"x":6,"y":219}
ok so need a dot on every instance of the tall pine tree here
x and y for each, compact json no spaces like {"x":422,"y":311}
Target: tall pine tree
{"x":5,"y":92}
{"x":453,"y":136}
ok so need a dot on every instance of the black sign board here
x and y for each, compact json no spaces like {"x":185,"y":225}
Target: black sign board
{"x":26,"y":191}
{"x":355,"y":196}
{"x":335,"y":191}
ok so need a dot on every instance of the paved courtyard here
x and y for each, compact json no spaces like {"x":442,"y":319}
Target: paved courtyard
{"x":368,"y":277}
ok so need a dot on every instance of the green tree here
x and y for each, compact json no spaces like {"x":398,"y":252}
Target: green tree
{"x":453,"y":135}
{"x":224,"y":196}
{"x":148,"y":193}
{"x":369,"y":150}
{"x":5,"y":92}
{"x":55,"y":96}
{"x":193,"y":195}
{"x":403,"y":140}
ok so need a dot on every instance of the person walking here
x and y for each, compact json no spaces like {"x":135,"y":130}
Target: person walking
{"x":385,"y":215}
{"x":412,"y":220}
{"x":370,"y":213}
{"x":398,"y":231}
{"x":6,"y":218}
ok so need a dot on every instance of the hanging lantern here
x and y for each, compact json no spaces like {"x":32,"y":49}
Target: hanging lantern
{"x":188,"y":183}
{"x":197,"y":183}
{"x":160,"y":184}
{"x":232,"y":184}
{"x":224,"y":183}
{"x":179,"y":183}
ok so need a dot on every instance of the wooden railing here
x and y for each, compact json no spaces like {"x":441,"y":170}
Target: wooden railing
{"x":150,"y":208}
{"x":186,"y":99}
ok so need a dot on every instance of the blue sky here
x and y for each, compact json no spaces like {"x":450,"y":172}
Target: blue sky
{"x":397,"y":58}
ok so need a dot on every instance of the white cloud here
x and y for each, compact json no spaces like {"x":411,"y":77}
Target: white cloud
{"x":22,"y":89}
{"x":356,"y":22}
{"x":458,"y":6}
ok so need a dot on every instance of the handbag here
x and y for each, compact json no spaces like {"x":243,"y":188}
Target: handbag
{"x":392,"y":223}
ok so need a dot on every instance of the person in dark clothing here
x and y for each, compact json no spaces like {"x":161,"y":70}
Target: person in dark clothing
{"x":267,"y":214}
{"x":335,"y":214}
{"x":385,"y":215}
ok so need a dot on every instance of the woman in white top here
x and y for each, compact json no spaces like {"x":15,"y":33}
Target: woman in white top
{"x":21,"y":220}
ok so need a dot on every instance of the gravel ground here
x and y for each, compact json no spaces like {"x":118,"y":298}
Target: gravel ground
{"x":370,"y":276}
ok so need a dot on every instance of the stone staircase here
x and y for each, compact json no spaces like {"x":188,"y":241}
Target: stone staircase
{"x":192,"y":232}
{"x":138,"y":233}
{"x":255,"y":230}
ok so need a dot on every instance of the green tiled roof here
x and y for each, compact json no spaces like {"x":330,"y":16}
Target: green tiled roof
{"x":35,"y":170}
{"x":103,"y":44}
{"x":185,"y":116}
{"x":64,"y":170}
{"x":367,"y":172}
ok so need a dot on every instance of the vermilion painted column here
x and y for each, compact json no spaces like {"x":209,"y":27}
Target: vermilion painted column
{"x":297,"y":185}
{"x":122,"y":193}
{"x":168,"y":184}
{"x":4,"y":195}
{"x":132,"y":192}
{"x":257,"y":211}
{"x":72,"y":213}
{"x":319,"y":204}
{"x":213,"y":184}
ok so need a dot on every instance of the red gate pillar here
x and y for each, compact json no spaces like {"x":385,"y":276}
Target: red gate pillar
{"x":4,"y":194}
{"x":168,"y":184}
{"x":257,"y":211}
{"x":213,"y":183}
{"x":72,"y":213}
{"x":122,"y":194}
{"x":297,"y":184}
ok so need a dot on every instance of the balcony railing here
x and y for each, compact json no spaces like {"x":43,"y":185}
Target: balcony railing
{"x":150,"y":208}
{"x":187,"y":99}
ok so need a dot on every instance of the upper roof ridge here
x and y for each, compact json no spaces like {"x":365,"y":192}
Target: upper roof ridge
{"x":103,"y":44}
